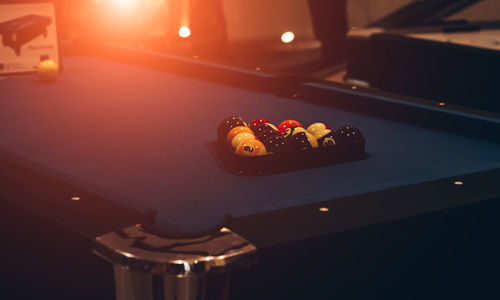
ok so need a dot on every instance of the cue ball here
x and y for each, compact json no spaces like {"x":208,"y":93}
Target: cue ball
{"x":48,"y":70}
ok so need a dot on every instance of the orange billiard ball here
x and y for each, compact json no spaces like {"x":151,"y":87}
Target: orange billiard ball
{"x":48,"y":70}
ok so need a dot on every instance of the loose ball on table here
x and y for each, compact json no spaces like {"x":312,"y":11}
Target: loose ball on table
{"x":48,"y":70}
{"x":235,"y":142}
{"x":303,"y":140}
{"x":348,"y":135}
{"x":237,"y":130}
{"x":253,"y":125}
{"x":251,"y":147}
{"x":229,"y":123}
{"x":288,"y":123}
{"x":292,"y":130}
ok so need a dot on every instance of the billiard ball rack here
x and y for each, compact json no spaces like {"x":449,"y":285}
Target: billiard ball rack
{"x":285,"y":162}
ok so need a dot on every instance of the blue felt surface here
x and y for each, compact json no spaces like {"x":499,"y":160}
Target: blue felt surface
{"x":139,"y":137}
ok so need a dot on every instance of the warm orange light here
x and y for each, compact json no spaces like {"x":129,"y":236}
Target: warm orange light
{"x":124,"y":2}
{"x":184,"y":32}
{"x":441,"y":104}
{"x":458,"y":182}
{"x":324,"y":209}
{"x":287,"y":37}
{"x":75,"y":198}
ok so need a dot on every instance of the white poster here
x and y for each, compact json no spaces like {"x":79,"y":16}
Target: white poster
{"x":28,"y":36}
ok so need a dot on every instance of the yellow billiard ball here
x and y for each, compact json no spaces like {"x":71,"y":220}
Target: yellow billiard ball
{"x":48,"y":70}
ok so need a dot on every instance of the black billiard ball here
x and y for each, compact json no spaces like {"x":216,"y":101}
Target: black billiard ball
{"x":348,"y":135}
{"x":277,"y":144}
{"x":303,"y":140}
{"x":327,"y":140}
{"x":264,"y":128}
{"x":266,"y":134}
{"x":229,"y":123}
{"x":292,"y":130}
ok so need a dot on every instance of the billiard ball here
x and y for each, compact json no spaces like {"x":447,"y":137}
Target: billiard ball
{"x":229,"y":123}
{"x":288,"y":123}
{"x":348,"y":135}
{"x":48,"y":70}
{"x":292,"y":130}
{"x":319,"y":133}
{"x":313,"y":128}
{"x":327,"y":140}
{"x":237,"y":130}
{"x":277,"y":144}
{"x":264,"y":127}
{"x":251,"y":147}
{"x":267,"y":134}
{"x":303,"y":140}
{"x":235,"y":142}
{"x":253,"y":125}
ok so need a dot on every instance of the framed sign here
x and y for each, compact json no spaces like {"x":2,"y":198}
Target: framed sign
{"x":28,"y":36}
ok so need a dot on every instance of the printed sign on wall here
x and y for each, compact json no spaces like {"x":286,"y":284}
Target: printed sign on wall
{"x":28,"y":34}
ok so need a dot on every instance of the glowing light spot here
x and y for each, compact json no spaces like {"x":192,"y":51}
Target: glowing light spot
{"x":257,"y":69}
{"x":324,"y":209}
{"x":287,"y":37}
{"x":354,"y":87}
{"x":124,"y":2}
{"x":458,"y":183}
{"x":441,"y":104}
{"x":184,"y":32}
{"x":75,"y":198}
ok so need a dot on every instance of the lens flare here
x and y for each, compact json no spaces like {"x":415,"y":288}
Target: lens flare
{"x":184,"y":32}
{"x":287,"y":37}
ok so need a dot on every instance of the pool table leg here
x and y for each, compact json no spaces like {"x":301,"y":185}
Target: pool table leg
{"x":149,"y":267}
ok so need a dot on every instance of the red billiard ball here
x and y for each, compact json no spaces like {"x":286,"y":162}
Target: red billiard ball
{"x":287,"y":124}
{"x":257,"y":122}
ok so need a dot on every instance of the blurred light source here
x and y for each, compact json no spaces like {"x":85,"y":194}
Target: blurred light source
{"x":287,"y":37}
{"x":184,"y":32}
{"x":124,"y":2}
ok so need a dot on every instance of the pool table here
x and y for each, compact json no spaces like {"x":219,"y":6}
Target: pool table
{"x":125,"y":136}
{"x":17,"y":32}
